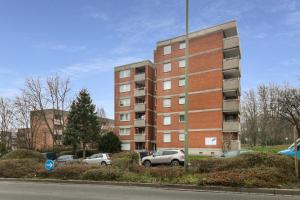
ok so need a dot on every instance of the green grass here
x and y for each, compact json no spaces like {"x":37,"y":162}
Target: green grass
{"x":266,"y":149}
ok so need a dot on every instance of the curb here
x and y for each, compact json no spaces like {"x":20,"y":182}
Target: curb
{"x":271,"y":191}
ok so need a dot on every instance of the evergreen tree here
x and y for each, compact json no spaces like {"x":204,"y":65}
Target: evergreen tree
{"x":109,"y":143}
{"x":83,"y":126}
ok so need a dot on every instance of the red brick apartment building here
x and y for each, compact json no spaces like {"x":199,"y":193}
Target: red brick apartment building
{"x":213,"y":94}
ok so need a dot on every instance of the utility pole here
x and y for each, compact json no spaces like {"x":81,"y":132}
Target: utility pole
{"x":296,"y":153}
{"x":186,"y":143}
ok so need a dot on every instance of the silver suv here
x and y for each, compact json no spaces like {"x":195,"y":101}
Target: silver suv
{"x":173,"y":157}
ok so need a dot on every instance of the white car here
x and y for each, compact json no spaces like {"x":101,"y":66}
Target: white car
{"x":98,"y":159}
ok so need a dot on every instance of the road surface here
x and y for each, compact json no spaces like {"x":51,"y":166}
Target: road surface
{"x":56,"y":191}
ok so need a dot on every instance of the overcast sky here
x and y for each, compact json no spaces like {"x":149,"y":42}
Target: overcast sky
{"x":85,"y":39}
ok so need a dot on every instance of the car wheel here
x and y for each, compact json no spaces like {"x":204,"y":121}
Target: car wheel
{"x":147,"y":163}
{"x":175,"y":163}
{"x":103,"y":163}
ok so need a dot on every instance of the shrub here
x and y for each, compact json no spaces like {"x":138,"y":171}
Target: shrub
{"x":125,"y":160}
{"x":19,"y":168}
{"x":165,"y":174}
{"x":244,"y":161}
{"x":24,"y":154}
{"x":70,"y":171}
{"x":258,"y":177}
{"x":109,"y":143}
{"x":103,"y":174}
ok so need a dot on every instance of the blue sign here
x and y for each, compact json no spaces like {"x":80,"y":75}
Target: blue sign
{"x":49,"y":165}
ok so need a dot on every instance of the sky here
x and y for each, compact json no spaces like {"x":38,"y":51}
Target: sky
{"x":85,"y":39}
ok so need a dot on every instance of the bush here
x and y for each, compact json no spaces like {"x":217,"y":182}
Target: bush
{"x":125,"y":160}
{"x":109,"y":143}
{"x":24,"y":154}
{"x":258,"y":177}
{"x":21,"y":168}
{"x":166,"y":174}
{"x":102,"y":174}
{"x":70,"y":171}
{"x":244,"y":161}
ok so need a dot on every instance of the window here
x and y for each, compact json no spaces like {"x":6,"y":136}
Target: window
{"x":124,"y":102}
{"x":125,"y":88}
{"x":182,"y":63}
{"x":181,"y":136}
{"x":124,"y":73}
{"x":181,"y":117}
{"x":124,"y":131}
{"x":167,"y":137}
{"x":125,"y":146}
{"x":182,"y":45}
{"x":167,"y":85}
{"x":167,"y":50}
{"x":181,"y":100}
{"x":125,"y":117}
{"x":167,"y":120}
{"x":167,"y":103}
{"x":167,"y":153}
{"x":210,"y":141}
{"x":181,"y":81}
{"x":167,"y":67}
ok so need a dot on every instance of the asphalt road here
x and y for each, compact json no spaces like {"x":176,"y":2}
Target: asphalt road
{"x":47,"y":191}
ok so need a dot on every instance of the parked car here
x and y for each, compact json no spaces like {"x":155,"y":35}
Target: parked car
{"x":66,"y":159}
{"x":290,"y":151}
{"x":100,"y":159}
{"x":173,"y":157}
{"x":50,"y":155}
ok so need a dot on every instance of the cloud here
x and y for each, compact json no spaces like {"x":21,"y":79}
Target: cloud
{"x":97,"y":65}
{"x":60,"y":47}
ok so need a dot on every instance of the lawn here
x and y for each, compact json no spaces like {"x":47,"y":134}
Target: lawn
{"x":266,"y":149}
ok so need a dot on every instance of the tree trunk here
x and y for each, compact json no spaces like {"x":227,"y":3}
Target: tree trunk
{"x":83,"y":153}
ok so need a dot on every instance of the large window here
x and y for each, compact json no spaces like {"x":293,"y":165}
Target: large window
{"x":124,"y":102}
{"x":124,"y":131}
{"x":167,"y":50}
{"x":124,"y":73}
{"x":167,"y":102}
{"x":125,"y":117}
{"x":182,"y":45}
{"x":167,"y":67}
{"x":181,"y":82}
{"x":182,"y":63}
{"x":125,"y":88}
{"x":181,"y":100}
{"x":167,"y":120}
{"x":167,"y":85}
{"x":167,"y":137}
{"x":125,"y":146}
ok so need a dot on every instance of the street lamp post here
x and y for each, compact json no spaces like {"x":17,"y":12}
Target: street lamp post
{"x":186,"y":149}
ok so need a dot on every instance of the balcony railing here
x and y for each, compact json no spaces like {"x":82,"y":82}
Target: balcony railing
{"x":231,"y":63}
{"x":139,"y":92}
{"x":139,"y":107}
{"x":231,"y":105}
{"x":231,"y":126}
{"x":231,"y":42}
{"x":139,"y":137}
{"x":139,"y":77}
{"x":232,"y":85}
{"x":139,"y":123}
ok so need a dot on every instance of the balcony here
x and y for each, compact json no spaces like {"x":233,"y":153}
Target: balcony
{"x":58,"y":122}
{"x":139,"y":107}
{"x":139,"y":137}
{"x":231,"y":63}
{"x":231,"y":87}
{"x":235,"y":145}
{"x":139,"y":77}
{"x":139,"y":123}
{"x":231,"y":106}
{"x":231,"y":126}
{"x":139,"y":92}
{"x":231,"y":42}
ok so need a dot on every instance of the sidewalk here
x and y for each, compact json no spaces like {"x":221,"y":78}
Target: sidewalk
{"x":272,"y":191}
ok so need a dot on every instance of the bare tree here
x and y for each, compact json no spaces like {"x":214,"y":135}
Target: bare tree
{"x":6,"y":122}
{"x":50,"y":97}
{"x":289,"y":106}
